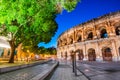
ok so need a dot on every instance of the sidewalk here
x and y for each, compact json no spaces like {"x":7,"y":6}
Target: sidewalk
{"x":64,"y":72}
{"x":37,"y":72}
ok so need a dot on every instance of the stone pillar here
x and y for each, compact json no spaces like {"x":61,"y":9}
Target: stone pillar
{"x":94,"y":33}
{"x":85,"y":52}
{"x":98,"y":51}
{"x":114,"y":51}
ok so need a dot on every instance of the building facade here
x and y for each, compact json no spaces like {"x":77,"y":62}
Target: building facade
{"x":95,"y":40}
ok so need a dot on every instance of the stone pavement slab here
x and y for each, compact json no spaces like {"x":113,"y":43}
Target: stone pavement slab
{"x":102,"y":72}
{"x":64,"y":72}
{"x":26,"y":73}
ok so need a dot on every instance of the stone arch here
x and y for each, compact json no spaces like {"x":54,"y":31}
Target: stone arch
{"x":71,"y":40}
{"x":80,"y":54}
{"x":106,"y":54}
{"x":91,"y":54}
{"x":90,"y":36}
{"x":60,"y":42}
{"x":79,"y":38}
{"x":119,"y":50}
{"x":103,"y":33}
{"x":117,"y":30}
{"x":65,"y":54}
{"x":61,"y":55}
{"x":65,"y":41}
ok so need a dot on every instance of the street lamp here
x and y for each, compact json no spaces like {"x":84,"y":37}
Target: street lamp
{"x":74,"y":62}
{"x":72,"y":57}
{"x":75,"y":67}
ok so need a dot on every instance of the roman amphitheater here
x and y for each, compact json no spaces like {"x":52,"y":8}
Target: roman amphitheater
{"x":94,"y":40}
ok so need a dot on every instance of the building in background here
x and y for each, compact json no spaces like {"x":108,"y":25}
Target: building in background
{"x":95,"y":40}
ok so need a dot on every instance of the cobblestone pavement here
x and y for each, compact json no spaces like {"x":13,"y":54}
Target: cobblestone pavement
{"x":100,"y":70}
{"x":64,"y":72}
{"x":26,"y":73}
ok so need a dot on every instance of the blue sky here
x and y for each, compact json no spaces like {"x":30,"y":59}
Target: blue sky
{"x":84,"y":11}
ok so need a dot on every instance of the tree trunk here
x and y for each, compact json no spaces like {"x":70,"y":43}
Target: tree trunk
{"x":12,"y":44}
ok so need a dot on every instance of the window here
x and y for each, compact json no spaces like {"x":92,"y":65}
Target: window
{"x":117,"y":30}
{"x":104,"y":33}
{"x":90,"y":36}
{"x":79,"y":38}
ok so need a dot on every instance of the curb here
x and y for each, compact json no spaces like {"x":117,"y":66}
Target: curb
{"x":12,"y":68}
{"x":45,"y":73}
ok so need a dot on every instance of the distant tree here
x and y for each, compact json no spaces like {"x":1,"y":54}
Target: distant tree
{"x":52,"y":50}
{"x":30,"y":21}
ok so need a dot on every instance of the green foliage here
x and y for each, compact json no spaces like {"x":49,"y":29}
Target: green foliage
{"x":70,"y":4}
{"x":42,"y":50}
{"x":30,"y":21}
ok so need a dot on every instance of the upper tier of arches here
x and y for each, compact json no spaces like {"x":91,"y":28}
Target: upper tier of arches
{"x":103,"y":27}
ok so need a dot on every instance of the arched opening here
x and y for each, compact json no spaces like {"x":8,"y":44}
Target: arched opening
{"x":117,"y":30}
{"x":80,"y":54}
{"x":106,"y":53}
{"x":104,"y":33}
{"x":65,"y":42}
{"x":71,"y":54}
{"x":90,"y":36}
{"x":65,"y":55}
{"x":71,"y":40}
{"x":79,"y":38}
{"x":60,"y":43}
{"x":119,"y":50}
{"x":91,"y":55}
{"x":61,"y":55}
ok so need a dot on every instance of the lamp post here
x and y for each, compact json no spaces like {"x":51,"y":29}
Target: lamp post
{"x":75,"y":67}
{"x":72,"y":56}
{"x":74,"y":62}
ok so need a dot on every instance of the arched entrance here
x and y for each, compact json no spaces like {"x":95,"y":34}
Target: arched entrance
{"x":79,"y":38}
{"x":61,"y":55}
{"x":90,"y":36}
{"x":80,"y":54}
{"x":104,"y":33}
{"x":91,"y":54}
{"x":65,"y":55}
{"x":117,"y":30}
{"x":119,"y":50}
{"x":70,"y":40}
{"x":106,"y":53}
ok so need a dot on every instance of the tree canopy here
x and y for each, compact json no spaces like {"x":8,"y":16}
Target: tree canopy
{"x":43,"y":50}
{"x":30,"y":21}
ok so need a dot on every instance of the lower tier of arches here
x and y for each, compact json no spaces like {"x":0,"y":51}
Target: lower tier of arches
{"x":105,"y":50}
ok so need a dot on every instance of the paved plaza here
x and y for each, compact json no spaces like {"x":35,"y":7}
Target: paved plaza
{"x":86,"y":71}
{"x":26,"y":73}
{"x":100,"y":70}
{"x":64,"y":72}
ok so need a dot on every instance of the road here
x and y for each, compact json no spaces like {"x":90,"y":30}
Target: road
{"x":26,"y":73}
{"x":100,"y":70}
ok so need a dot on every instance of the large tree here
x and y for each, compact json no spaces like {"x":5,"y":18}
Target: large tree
{"x":30,"y":21}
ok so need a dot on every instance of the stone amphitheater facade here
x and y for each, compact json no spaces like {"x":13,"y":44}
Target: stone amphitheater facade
{"x":94,"y":40}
